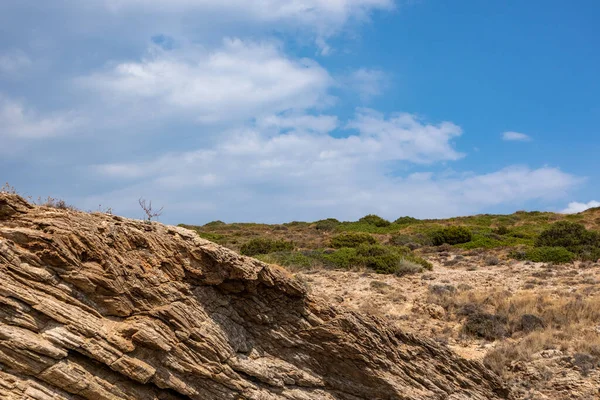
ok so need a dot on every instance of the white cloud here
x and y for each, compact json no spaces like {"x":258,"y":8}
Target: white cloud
{"x":517,"y":183}
{"x":404,"y":137}
{"x":516,"y":137}
{"x":576,"y":207}
{"x":324,"y":16}
{"x":300,"y":122}
{"x":238,"y":81}
{"x":14,"y":63}
{"x":367,"y":82}
{"x":18,"y":122}
{"x":308,"y":147}
{"x":263,"y":175}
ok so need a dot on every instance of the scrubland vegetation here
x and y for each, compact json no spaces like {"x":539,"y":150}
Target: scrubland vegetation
{"x":518,"y":292}
{"x":381,"y":245}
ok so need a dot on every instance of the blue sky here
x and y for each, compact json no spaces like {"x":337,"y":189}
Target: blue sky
{"x":280,"y":110}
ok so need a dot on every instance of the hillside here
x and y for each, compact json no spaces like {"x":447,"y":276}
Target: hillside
{"x":536,"y":323}
{"x":95,"y":306}
{"x":523,"y":226}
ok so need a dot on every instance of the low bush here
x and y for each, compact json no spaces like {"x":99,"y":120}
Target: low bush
{"x":569,"y":235}
{"x":418,"y":260}
{"x":375,"y":220}
{"x":214,"y":223}
{"x":401,"y":239}
{"x":213,"y":237}
{"x":345,"y":257}
{"x":328,"y":224}
{"x":406,"y":221}
{"x":296,"y":224}
{"x":410,"y":240}
{"x":351,"y":239}
{"x":451,"y":235}
{"x":381,"y":259}
{"x":442,"y":290}
{"x":486,"y":326}
{"x":558,"y":255}
{"x":491,"y":260}
{"x":54,"y":203}
{"x":265,"y":246}
{"x":407,"y":267}
{"x":573,"y":237}
{"x":529,"y":323}
{"x":481,"y":242}
{"x":501,"y":230}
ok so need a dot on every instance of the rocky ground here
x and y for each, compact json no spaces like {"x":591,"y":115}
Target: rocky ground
{"x":549,"y":362}
{"x":95,"y":306}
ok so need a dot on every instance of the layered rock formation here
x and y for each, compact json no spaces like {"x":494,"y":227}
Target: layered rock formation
{"x":94,"y":306}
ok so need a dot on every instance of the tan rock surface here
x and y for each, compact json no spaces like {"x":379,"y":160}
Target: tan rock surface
{"x":94,"y":306}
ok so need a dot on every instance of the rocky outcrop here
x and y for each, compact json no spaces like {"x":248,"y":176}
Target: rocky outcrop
{"x":95,"y":306}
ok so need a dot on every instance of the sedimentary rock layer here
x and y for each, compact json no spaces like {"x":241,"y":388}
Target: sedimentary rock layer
{"x":95,"y":306}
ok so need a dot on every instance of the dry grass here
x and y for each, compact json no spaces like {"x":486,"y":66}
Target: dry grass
{"x":570,"y":322}
{"x":571,"y":342}
{"x":42,"y":202}
{"x":7,"y":188}
{"x":558,"y":310}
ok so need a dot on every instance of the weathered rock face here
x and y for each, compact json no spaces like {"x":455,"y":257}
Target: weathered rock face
{"x":94,"y":306}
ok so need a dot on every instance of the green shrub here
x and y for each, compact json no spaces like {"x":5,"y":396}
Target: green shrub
{"x":328,"y":224}
{"x":400,"y":239}
{"x":557,"y":255}
{"x":451,"y":235}
{"x":522,"y":235}
{"x":501,"y":230}
{"x":213,"y":237}
{"x":265,"y":246}
{"x":375,"y":220}
{"x":351,"y":239}
{"x":413,"y":241}
{"x":290,"y":259}
{"x":572,"y":236}
{"x":482,"y":242}
{"x":373,"y":250}
{"x":406,"y":220}
{"x":381,"y":259}
{"x":296,"y":224}
{"x":343,"y":258}
{"x":215,"y":223}
{"x":418,"y":260}
{"x":407,"y":267}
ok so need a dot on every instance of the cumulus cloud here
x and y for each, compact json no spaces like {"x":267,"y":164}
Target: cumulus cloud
{"x":14,"y":63}
{"x":367,"y":82}
{"x":299,"y":122}
{"x":516,"y":137}
{"x":401,"y":137}
{"x":324,"y":16}
{"x":404,"y":137}
{"x":19,"y":122}
{"x":258,"y":174}
{"x":240,"y":80}
{"x":576,"y":207}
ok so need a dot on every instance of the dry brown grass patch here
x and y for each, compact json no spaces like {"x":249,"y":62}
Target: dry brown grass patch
{"x":562,"y":321}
